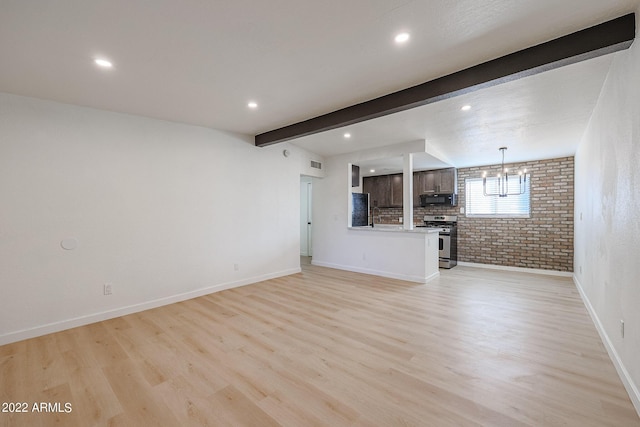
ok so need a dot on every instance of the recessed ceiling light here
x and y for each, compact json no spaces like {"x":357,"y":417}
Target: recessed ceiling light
{"x":252,"y":104}
{"x":372,"y":170}
{"x":466,"y":108}
{"x":103,"y":63}
{"x":402,"y":38}
{"x":347,"y":135}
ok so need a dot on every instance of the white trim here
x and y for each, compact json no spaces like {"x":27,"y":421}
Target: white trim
{"x":520,"y":269}
{"x":135,"y":308}
{"x":629,"y":385}
{"x":417,"y":279}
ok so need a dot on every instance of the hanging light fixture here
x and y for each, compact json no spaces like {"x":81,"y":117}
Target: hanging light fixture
{"x":502,"y":184}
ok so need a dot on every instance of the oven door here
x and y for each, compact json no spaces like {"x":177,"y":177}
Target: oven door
{"x":445,"y":246}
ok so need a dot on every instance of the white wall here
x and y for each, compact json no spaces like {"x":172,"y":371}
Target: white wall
{"x":162,"y":211}
{"x":607,"y":215}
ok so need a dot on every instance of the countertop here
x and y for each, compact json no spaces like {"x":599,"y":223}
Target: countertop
{"x":395,"y":228}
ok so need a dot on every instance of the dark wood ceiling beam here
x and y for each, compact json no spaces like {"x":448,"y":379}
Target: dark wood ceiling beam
{"x":602,"y":39}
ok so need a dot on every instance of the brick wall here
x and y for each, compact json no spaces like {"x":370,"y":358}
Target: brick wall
{"x":543,"y":241}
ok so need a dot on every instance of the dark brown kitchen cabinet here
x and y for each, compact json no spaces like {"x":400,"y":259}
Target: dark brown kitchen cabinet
{"x":416,"y":188}
{"x":385,"y":190}
{"x":379,"y":189}
{"x":428,"y":182}
{"x":396,"y":191}
{"x":438,"y":181}
{"x":449,"y":181}
{"x":355,"y":176}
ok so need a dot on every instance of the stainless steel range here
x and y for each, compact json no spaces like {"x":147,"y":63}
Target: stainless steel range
{"x":448,"y":230}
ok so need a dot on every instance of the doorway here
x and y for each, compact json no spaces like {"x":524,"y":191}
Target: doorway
{"x":306,"y":188}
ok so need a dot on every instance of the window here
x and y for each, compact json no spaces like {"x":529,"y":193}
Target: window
{"x":479,"y":205}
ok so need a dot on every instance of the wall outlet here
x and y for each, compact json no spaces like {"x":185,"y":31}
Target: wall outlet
{"x":622,"y":328}
{"x":236,"y":267}
{"x":400,"y":220}
{"x":107,"y":289}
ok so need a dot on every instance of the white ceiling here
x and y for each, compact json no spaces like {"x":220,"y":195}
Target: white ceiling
{"x":537,"y":117}
{"x":200,"y":62}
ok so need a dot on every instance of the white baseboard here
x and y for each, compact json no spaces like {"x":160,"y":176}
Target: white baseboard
{"x":629,"y":385}
{"x":519,"y":269}
{"x":408,"y":278}
{"x":135,"y":308}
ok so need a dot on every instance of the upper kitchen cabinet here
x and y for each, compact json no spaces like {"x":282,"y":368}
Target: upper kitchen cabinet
{"x":449,"y":181}
{"x":355,"y":176}
{"x":417,"y":188}
{"x":379,"y":188}
{"x":396,"y":190}
{"x":443,"y":181}
{"x":385,"y":190}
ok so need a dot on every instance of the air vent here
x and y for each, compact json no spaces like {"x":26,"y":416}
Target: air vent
{"x":316,"y":165}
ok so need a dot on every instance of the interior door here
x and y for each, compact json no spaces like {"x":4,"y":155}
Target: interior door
{"x":309,"y":211}
{"x":305,"y":217}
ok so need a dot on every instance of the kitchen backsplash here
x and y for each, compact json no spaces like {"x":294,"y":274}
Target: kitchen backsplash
{"x":543,"y":241}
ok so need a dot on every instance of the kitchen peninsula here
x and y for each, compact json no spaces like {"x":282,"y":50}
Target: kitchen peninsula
{"x":392,"y":251}
{"x":400,"y":250}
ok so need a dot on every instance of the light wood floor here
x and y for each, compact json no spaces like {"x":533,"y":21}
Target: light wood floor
{"x":332,"y":348}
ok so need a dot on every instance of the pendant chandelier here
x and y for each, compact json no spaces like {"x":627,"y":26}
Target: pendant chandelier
{"x":502,"y":184}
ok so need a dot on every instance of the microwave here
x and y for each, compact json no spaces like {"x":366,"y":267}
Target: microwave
{"x":438,"y":199}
